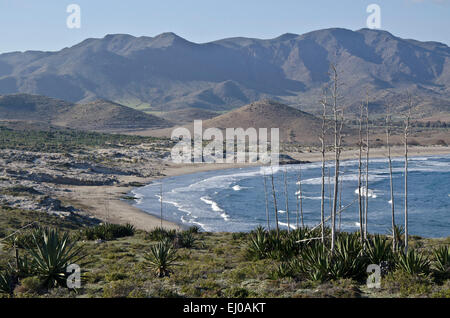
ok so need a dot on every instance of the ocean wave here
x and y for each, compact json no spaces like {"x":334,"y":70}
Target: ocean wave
{"x":215,"y":207}
{"x":286,"y":225}
{"x":370,"y":193}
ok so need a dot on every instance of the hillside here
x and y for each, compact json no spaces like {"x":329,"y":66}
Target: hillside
{"x":99,"y":115}
{"x":294,"y":125}
{"x":167,"y":72}
{"x":188,"y":115}
{"x":105,"y":115}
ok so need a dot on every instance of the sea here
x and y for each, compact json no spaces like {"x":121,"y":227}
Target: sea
{"x":234,"y":200}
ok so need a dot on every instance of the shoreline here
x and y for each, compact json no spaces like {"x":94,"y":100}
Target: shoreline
{"x":107,"y":203}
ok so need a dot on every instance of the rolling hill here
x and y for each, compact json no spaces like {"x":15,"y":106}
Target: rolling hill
{"x":167,"y":72}
{"x":99,"y":115}
{"x":295,"y":125}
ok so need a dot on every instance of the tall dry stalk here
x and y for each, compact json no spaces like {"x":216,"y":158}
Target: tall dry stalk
{"x":301,"y":196}
{"x":361,"y":215}
{"x":267,"y":201}
{"x":407,"y":123}
{"x":337,"y":151}
{"x":322,"y":139}
{"x":391,"y":183}
{"x":366,"y":210}
{"x":275,"y":202}
{"x":287,"y":199}
{"x":161,"y":200}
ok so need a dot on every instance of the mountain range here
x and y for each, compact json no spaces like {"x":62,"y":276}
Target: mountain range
{"x":168,"y":73}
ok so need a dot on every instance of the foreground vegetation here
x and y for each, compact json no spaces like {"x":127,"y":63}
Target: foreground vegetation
{"x":118,"y":261}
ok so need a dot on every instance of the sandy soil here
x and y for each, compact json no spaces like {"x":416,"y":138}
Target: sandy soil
{"x":107,"y":203}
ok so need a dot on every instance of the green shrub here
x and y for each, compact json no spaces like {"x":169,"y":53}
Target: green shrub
{"x":108,"y":231}
{"x":120,"y":289}
{"x":236,"y":292}
{"x":31,"y":284}
{"x":186,"y":239}
{"x":160,"y":234}
{"x":407,"y":284}
{"x":114,"y":276}
{"x":194,"y":229}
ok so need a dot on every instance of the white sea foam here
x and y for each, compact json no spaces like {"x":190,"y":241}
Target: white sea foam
{"x":286,"y":225}
{"x":237,"y":187}
{"x":215,"y":207}
{"x":137,"y":197}
{"x":371,"y":193}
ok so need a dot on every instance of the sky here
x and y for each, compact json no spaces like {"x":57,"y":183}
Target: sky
{"x":41,"y":24}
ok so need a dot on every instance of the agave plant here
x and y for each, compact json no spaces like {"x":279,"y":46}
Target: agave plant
{"x":378,"y":250}
{"x":6,"y":283}
{"x":258,"y":245}
{"x":51,"y":254}
{"x":186,"y":239}
{"x":399,"y":232}
{"x":442,"y":259}
{"x":161,"y":258}
{"x":315,"y":261}
{"x":347,"y":261}
{"x":23,"y":267}
{"x":413,"y":262}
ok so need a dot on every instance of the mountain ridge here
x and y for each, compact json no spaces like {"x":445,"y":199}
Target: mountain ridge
{"x":170,"y":73}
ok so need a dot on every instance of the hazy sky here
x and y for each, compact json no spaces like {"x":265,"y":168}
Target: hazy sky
{"x":41,"y":25}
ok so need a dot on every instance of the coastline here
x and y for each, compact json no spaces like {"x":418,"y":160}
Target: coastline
{"x":107,"y":203}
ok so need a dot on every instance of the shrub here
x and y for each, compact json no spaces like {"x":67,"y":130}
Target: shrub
{"x":32,"y":284}
{"x":161,"y":258}
{"x":160,"y":234}
{"x":236,"y":292}
{"x":24,"y":239}
{"x":114,"y":276}
{"x":407,"y":284}
{"x":413,"y":262}
{"x":186,"y":239}
{"x":194,"y":229}
{"x":119,"y":289}
{"x":108,"y":231}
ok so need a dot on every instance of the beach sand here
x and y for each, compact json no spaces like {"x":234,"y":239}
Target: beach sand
{"x":106,"y":202}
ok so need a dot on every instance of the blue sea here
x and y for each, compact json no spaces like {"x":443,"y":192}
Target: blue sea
{"x":233,"y":200}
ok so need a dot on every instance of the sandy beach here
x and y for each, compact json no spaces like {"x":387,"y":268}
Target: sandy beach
{"x":107,"y":203}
